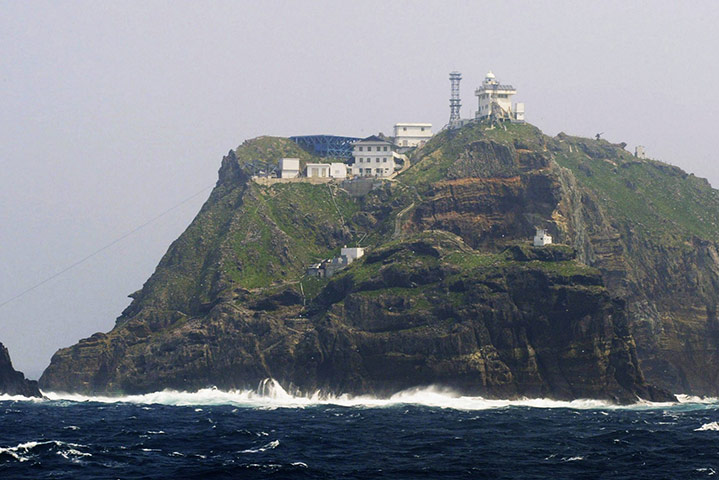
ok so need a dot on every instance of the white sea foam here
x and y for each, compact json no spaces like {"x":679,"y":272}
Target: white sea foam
{"x":24,"y":451}
{"x":711,"y":426}
{"x":19,"y":451}
{"x":269,"y":446}
{"x":271,"y":395}
{"x":18,"y":398}
{"x":693,"y":399}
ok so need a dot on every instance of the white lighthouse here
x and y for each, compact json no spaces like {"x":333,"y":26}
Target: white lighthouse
{"x":495,"y":101}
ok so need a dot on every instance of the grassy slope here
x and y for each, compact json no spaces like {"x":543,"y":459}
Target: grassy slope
{"x":457,"y":257}
{"x":271,"y":149}
{"x":434,"y":160}
{"x":296,"y":209}
{"x":656,"y":199}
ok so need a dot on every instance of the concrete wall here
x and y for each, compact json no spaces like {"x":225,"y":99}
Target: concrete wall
{"x":359,"y":187}
{"x":272,"y":181}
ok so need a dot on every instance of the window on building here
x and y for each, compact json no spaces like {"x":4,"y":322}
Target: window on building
{"x":404,"y":129}
{"x":423,"y":129}
{"x":384,"y":160}
{"x":360,"y":149}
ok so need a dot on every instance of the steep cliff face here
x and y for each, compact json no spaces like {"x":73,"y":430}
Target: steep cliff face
{"x":652,"y":229}
{"x":448,"y":294}
{"x":522,"y":322}
{"x":649,"y":227}
{"x":13,"y":382}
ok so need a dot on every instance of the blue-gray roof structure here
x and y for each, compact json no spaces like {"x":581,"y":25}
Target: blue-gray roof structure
{"x":326,"y":145}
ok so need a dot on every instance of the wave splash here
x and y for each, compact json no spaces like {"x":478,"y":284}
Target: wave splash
{"x":270,"y":395}
{"x":26,"y":451}
{"x":711,"y":426}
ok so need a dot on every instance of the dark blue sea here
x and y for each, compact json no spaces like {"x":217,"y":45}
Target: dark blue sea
{"x":428,"y":434}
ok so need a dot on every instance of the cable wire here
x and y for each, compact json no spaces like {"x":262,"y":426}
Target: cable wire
{"x":102,"y":249}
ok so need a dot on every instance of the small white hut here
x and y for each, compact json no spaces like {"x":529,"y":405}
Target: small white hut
{"x":351,"y":253}
{"x":289,"y":167}
{"x":320,"y":170}
{"x":338,"y":170}
{"x":542,"y":238}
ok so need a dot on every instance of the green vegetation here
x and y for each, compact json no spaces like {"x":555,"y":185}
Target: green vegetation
{"x":312,"y":286}
{"x":271,"y":149}
{"x":283,"y":229}
{"x":422,"y":268}
{"x":439,"y":155}
{"x":654,"y":198}
{"x":267,"y":236}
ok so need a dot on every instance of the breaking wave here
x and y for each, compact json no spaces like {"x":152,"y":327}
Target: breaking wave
{"x":711,"y":426}
{"x":18,"y":398}
{"x":26,"y":451}
{"x":270,"y":394}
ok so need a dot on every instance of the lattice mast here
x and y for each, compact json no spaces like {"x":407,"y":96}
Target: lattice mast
{"x":454,"y":101}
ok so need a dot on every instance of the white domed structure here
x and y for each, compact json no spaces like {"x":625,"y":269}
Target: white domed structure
{"x":495,"y":101}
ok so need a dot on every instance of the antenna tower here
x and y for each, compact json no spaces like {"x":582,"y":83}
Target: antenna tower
{"x":454,"y":101}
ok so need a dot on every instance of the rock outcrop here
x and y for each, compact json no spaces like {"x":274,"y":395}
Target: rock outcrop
{"x":450,"y":292}
{"x":13,"y":382}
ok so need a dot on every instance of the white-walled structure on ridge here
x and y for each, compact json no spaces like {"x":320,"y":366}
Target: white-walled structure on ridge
{"x":351,"y":253}
{"x":495,"y":101}
{"x":289,"y":167}
{"x":373,"y":157}
{"x":318,"y":170}
{"x":542,"y":238}
{"x":412,"y":134}
{"x":338,"y":170}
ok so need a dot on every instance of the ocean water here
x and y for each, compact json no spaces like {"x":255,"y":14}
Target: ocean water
{"x":427,"y":433}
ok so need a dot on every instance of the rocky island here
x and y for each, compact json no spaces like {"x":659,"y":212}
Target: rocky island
{"x":450,"y":292}
{"x":13,"y":382}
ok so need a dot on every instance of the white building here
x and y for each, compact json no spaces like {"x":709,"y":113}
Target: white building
{"x":351,"y":253}
{"x":318,"y":170}
{"x":412,"y":134}
{"x":327,"y":268}
{"x":373,"y":157}
{"x":289,"y":167}
{"x":338,"y":170}
{"x":495,"y":101}
{"x":639,"y":152}
{"x":542,"y":238}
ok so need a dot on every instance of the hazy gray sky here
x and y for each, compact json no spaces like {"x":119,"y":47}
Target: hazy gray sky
{"x":111,"y":113}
